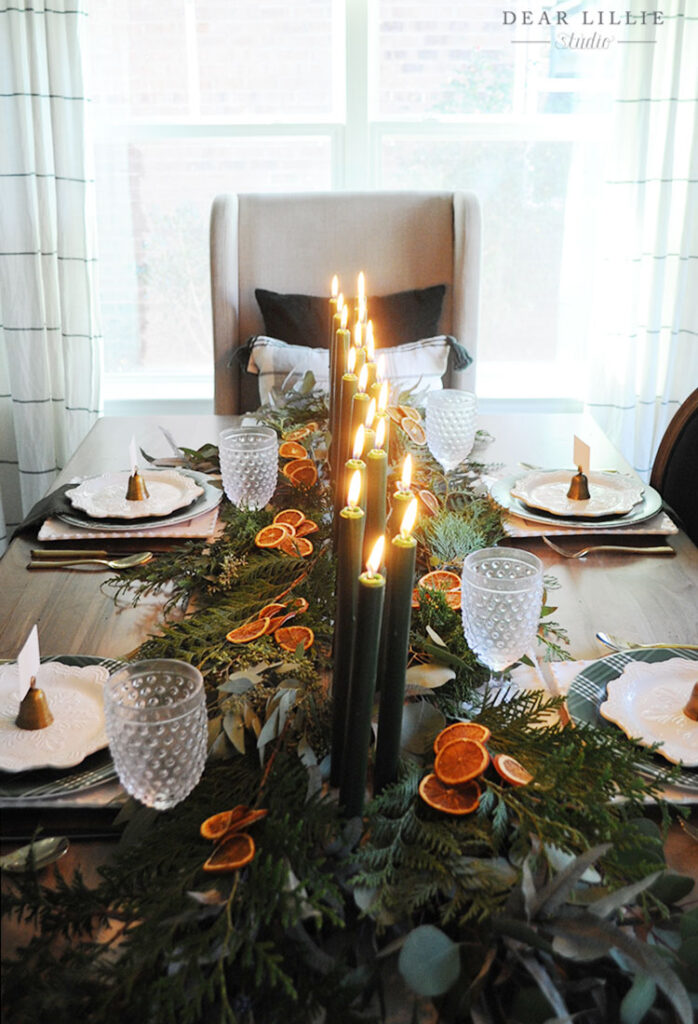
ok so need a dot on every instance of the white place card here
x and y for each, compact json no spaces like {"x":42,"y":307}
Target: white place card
{"x":28,"y":661}
{"x":582,"y":455}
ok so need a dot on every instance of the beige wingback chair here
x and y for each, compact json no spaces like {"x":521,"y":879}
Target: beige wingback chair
{"x":296,"y":242}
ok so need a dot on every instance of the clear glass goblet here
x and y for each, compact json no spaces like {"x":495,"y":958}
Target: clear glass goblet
{"x":501,"y":599}
{"x":450,"y":424}
{"x":249,"y":458}
{"x":156,"y":722}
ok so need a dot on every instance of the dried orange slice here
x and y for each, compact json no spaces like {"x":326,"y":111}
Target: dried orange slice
{"x":440,"y":579}
{"x":290,"y":516}
{"x":305,"y":475}
{"x":312,"y":426}
{"x":289,"y":637}
{"x":395,"y":414}
{"x":512,"y":770}
{"x":271,"y":609}
{"x":277,"y":621}
{"x":218,"y":825}
{"x":292,"y":450}
{"x":415,"y":431}
{"x":295,"y":435}
{"x":430,"y":501}
{"x":232,"y":853}
{"x":297,"y":547}
{"x":451,"y":799}
{"x":453,"y":599}
{"x":299,"y":604}
{"x":461,"y":731}
{"x":309,"y":526}
{"x":460,"y":761}
{"x":249,"y":632}
{"x":410,"y":413}
{"x":271,"y":536}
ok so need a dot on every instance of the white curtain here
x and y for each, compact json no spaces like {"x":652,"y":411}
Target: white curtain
{"x":644,"y":350}
{"x":50,"y":345}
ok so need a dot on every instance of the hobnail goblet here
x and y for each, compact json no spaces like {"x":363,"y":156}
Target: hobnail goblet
{"x":501,"y":598}
{"x":249,"y":458}
{"x":450,"y":425}
{"x":156,"y":722}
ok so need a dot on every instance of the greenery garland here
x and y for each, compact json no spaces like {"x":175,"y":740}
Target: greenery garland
{"x":551,"y":900}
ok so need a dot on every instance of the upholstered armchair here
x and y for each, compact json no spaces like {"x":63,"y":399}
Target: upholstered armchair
{"x":294,"y":243}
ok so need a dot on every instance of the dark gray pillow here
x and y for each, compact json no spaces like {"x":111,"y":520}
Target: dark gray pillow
{"x":397,"y":319}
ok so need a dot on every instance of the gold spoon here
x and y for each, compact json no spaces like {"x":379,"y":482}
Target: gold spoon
{"x":115,"y":563}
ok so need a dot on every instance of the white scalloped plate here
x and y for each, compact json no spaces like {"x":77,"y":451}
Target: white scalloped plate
{"x":75,"y":699}
{"x":646,"y":701}
{"x":104,"y":497}
{"x":610,"y":493}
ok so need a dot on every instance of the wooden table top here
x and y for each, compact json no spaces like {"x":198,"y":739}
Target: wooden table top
{"x":643,"y":598}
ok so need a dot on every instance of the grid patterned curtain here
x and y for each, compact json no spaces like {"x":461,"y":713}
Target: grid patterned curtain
{"x":644,"y":354}
{"x":50,"y":345}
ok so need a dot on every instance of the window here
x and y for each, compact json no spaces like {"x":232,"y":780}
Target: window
{"x":195,"y":97}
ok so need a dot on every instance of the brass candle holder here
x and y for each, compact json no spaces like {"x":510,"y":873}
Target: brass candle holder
{"x":34,"y":712}
{"x":579,"y":487}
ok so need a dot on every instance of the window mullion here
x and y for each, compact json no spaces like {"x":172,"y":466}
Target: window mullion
{"x":357,"y":170}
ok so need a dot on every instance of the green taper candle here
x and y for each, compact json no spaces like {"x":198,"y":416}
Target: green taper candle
{"x":401,"y":559}
{"x":348,"y":390}
{"x":349,"y":562}
{"x":402,"y":497}
{"x":337,"y":370}
{"x":357,"y":737}
{"x":359,"y":407}
{"x":376,"y":478}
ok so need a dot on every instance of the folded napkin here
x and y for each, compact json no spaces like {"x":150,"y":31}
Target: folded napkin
{"x":51,"y":504}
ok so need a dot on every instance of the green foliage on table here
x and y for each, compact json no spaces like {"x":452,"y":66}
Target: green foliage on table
{"x":531,"y":908}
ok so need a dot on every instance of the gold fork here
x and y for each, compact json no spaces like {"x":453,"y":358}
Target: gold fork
{"x":618,"y":549}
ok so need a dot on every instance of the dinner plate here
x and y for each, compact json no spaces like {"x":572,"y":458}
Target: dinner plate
{"x":546,"y":490}
{"x":647,"y":703}
{"x":588,"y":691}
{"x":649,"y":505}
{"x":75,"y":698}
{"x":104,"y":497}
{"x":206,"y":502}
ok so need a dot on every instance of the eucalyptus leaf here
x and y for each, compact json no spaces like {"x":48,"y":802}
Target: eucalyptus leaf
{"x":234,"y":727}
{"x":615,"y":900}
{"x":421,"y":723}
{"x":688,"y":924}
{"x":270,"y":729}
{"x":561,"y":885}
{"x":220,"y":749}
{"x":638,"y":999}
{"x":435,"y":637}
{"x":546,"y":985}
{"x":428,"y":676}
{"x":560,"y":859}
{"x":306,"y":752}
{"x":429,"y":961}
{"x":671,"y":887}
{"x":237,"y":686}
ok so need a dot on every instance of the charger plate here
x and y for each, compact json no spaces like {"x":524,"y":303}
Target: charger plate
{"x":104,"y":497}
{"x":649,"y":505}
{"x":610,"y":493}
{"x":587,"y":693}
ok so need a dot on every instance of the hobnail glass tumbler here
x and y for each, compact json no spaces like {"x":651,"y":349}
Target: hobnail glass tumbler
{"x":156,"y":721}
{"x":249,"y":458}
{"x":451,"y":416}
{"x":502,"y":594}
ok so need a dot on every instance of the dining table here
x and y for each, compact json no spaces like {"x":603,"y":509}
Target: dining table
{"x":644,"y":597}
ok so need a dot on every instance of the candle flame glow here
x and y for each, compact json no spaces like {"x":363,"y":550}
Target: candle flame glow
{"x":340,"y":302}
{"x":361,"y":286}
{"x":408,"y":520}
{"x":406,"y":473}
{"x":354,"y":489}
{"x":357,"y":335}
{"x":363,"y":377}
{"x":358,"y":449}
{"x":380,"y":432}
{"x":363,"y":311}
{"x":374,"y":560}
{"x":351,"y":360}
{"x":370,"y":344}
{"x":371,"y":413}
{"x":335,"y":286}
{"x":383,"y":393}
{"x":344,"y":317}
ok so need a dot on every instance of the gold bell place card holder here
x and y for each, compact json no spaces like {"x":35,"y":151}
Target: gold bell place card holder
{"x":375,"y":577}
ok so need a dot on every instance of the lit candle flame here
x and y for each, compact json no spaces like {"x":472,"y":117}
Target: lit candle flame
{"x":351,"y":360}
{"x":383,"y":393}
{"x":335,"y":286}
{"x":370,"y":344}
{"x":363,"y":311}
{"x":361,"y":286}
{"x":373,"y":562}
{"x":371,"y":413}
{"x":340,"y":302}
{"x":363,"y":378}
{"x":359,"y":442}
{"x":380,"y":432}
{"x":354,"y":489}
{"x":406,"y":473}
{"x":408,"y":520}
{"x":357,"y":335}
{"x":344,"y":314}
